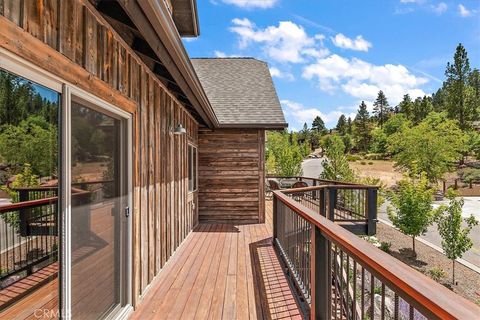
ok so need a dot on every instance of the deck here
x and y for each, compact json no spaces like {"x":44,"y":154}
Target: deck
{"x":222,"y":272}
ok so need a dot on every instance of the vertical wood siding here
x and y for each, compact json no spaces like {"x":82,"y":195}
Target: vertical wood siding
{"x":74,"y":42}
{"x":231,"y":183}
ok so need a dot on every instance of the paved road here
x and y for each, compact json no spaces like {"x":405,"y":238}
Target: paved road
{"x":313,"y":167}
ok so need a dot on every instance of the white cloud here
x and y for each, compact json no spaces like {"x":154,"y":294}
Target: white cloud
{"x":287,"y":42}
{"x":440,"y":8}
{"x":300,"y":114}
{"x":412,"y":1}
{"x":357,"y":44}
{"x":277,"y":73}
{"x":464,"y":12}
{"x":362,"y":79}
{"x":249,"y":4}
{"x":221,"y":54}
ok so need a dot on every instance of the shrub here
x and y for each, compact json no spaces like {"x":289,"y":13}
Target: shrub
{"x":437,"y":273}
{"x":385,"y":246}
{"x":353,"y":157}
{"x":374,"y":156}
{"x":363,"y":163}
{"x":370,"y":162}
{"x":468,"y":174}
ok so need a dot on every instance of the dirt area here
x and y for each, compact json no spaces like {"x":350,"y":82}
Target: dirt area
{"x":468,"y":281}
{"x":382,"y":169}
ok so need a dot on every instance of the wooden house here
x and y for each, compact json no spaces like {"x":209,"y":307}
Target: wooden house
{"x":133,"y":181}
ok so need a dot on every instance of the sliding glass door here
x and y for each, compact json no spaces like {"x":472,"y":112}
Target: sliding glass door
{"x":98,"y":216}
{"x":65,"y":189}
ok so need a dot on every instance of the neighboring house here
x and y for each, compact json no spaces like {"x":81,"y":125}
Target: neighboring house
{"x":120,"y":145}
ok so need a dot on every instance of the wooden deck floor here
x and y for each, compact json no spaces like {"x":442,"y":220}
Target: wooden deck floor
{"x":222,"y":272}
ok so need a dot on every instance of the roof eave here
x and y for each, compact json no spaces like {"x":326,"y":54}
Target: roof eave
{"x":267,"y":126}
{"x":164,"y":31}
{"x":187,"y":27}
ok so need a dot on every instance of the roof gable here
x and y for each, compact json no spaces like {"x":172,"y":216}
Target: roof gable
{"x":241,"y":92}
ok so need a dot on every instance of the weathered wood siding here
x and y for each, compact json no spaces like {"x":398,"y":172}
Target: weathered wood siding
{"x":231,"y":175}
{"x":71,"y":40}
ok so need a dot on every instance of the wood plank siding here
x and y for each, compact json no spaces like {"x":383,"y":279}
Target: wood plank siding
{"x":72,"y":41}
{"x":231,"y":175}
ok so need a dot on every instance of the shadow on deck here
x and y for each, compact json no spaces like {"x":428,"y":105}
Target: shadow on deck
{"x":222,"y":272}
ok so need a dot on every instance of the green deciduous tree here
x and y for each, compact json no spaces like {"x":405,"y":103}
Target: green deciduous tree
{"x":362,"y":127}
{"x":33,"y":141}
{"x":381,"y":109}
{"x":455,"y":238}
{"x":411,"y":209}
{"x":287,"y":156}
{"x":335,"y":166}
{"x":433,"y":146}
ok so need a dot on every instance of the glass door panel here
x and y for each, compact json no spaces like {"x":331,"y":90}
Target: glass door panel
{"x":29,"y":157}
{"x":98,"y":198}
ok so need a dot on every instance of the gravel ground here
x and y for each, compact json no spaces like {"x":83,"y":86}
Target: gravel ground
{"x":468,"y":281}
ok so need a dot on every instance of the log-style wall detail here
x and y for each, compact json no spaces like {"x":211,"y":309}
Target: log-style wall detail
{"x":231,"y":175}
{"x":70,"y":40}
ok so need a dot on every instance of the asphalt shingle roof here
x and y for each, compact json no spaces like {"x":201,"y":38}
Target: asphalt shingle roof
{"x":241,"y":91}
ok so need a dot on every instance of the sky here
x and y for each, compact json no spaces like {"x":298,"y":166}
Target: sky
{"x":326,"y":56}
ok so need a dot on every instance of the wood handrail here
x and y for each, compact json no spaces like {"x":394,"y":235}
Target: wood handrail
{"x":28,"y":204}
{"x":426,"y":295}
{"x":331,"y":182}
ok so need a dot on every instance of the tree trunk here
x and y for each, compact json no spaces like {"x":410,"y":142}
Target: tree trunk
{"x":453,"y":272}
{"x":413,"y":245}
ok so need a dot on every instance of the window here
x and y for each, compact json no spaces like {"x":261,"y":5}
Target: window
{"x":192,"y":168}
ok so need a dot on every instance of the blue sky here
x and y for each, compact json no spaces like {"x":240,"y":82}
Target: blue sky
{"x":326,"y":56}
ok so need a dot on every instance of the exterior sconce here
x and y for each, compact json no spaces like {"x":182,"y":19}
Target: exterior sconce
{"x":179,"y":130}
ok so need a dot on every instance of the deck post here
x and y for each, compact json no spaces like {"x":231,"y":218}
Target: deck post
{"x":274,"y":216}
{"x":321,"y":276}
{"x":372,"y":211}
{"x":322,"y":202}
{"x":332,"y":203}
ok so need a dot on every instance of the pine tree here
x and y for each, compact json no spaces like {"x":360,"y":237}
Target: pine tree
{"x":456,"y":86}
{"x":362,"y":127}
{"x":349,"y":125}
{"x":342,"y":125}
{"x":319,"y":126}
{"x":381,"y":108}
{"x":438,"y":100}
{"x":406,"y":107}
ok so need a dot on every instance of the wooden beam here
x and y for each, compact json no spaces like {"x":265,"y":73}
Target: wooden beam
{"x":26,"y":46}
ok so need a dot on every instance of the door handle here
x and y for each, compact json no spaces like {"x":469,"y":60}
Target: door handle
{"x":127,"y":212}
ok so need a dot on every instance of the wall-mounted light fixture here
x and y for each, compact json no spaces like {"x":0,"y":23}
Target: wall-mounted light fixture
{"x":179,"y":130}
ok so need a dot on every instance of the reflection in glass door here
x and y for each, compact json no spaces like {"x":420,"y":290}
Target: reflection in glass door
{"x":98,"y":220}
{"x":29,"y":144}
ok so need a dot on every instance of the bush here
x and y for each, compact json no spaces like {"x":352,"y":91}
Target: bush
{"x":353,"y":157}
{"x":370,"y":162}
{"x":437,"y":273}
{"x":374,"y":156}
{"x":468,"y":174}
{"x":385,"y":246}
{"x":363,"y":163}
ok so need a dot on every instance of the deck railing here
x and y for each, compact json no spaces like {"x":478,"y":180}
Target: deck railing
{"x":28,"y":232}
{"x":341,"y":276}
{"x":352,"y":205}
{"x":29,"y":228}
